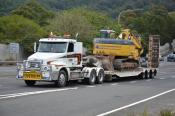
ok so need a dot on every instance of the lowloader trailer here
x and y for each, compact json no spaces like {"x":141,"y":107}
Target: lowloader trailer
{"x":60,"y":60}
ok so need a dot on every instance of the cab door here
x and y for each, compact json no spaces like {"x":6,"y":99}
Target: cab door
{"x":71,"y":56}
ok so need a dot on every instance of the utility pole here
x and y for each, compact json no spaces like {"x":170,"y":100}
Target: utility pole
{"x":125,"y":11}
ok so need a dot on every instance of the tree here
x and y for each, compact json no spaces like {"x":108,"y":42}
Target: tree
{"x":66,"y":22}
{"x":99,"y":20}
{"x":18,"y":29}
{"x":33,"y":10}
{"x":172,"y":25}
{"x":126,"y":17}
{"x":155,"y":21}
{"x":85,"y":22}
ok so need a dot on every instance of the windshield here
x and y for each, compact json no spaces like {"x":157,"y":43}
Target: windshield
{"x":53,"y":47}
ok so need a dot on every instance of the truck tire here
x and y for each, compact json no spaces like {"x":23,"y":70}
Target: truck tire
{"x":62,"y":79}
{"x":146,"y":74}
{"x":91,"y":80}
{"x":100,"y":77}
{"x":141,"y":76}
{"x":30,"y":83}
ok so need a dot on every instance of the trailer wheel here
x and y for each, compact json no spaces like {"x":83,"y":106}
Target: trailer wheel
{"x":62,"y":79}
{"x":146,"y":74}
{"x":30,"y":83}
{"x":91,"y":80}
{"x":100,"y":77}
{"x":155,"y":72}
{"x":151,"y":74}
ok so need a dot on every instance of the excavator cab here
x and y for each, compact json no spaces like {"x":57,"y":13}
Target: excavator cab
{"x":106,"y":33}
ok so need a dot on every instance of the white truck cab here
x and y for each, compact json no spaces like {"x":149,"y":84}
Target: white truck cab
{"x":58,"y":51}
{"x":57,"y":60}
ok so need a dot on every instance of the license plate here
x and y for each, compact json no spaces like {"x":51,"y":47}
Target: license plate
{"x":32,"y":76}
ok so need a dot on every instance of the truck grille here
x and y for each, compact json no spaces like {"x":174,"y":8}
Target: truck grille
{"x":34,"y":64}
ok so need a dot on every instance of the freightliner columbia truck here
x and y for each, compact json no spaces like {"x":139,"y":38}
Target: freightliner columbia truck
{"x":60,"y":60}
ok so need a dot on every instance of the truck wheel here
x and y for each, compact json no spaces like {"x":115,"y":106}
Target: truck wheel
{"x":92,"y":78}
{"x":146,"y":74}
{"x":100,"y":77}
{"x":141,"y":76}
{"x":155,"y":72}
{"x":30,"y":83}
{"x":62,"y":79}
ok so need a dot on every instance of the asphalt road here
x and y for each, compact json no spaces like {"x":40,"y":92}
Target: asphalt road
{"x":118,"y":98}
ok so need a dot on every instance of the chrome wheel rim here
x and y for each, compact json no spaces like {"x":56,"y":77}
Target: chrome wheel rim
{"x":62,"y":79}
{"x":93,"y":78}
{"x":101,"y":76}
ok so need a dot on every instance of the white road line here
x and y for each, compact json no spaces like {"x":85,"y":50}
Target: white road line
{"x":162,"y":78}
{"x":132,"y":81}
{"x":33,"y":93}
{"x":135,"y":103}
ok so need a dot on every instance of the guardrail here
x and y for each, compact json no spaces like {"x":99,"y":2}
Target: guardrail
{"x":9,"y":62}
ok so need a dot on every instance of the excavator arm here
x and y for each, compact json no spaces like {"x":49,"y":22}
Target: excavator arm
{"x":127,"y":35}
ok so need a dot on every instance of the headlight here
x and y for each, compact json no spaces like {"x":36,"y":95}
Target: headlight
{"x":27,"y":64}
{"x":46,"y":68}
{"x":20,"y":66}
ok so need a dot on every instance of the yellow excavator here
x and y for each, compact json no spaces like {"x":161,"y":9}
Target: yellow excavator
{"x":125,"y":50}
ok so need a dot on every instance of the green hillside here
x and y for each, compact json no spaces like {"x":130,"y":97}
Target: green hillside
{"x":112,"y":7}
{"x":172,"y":14}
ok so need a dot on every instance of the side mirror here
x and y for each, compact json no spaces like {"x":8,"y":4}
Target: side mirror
{"x":34,"y":48}
{"x":76,"y":36}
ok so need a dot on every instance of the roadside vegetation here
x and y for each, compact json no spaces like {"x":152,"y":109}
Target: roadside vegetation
{"x":32,"y":20}
{"x":163,"y":112}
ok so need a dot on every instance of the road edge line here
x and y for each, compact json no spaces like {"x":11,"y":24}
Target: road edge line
{"x":135,"y":103}
{"x":6,"y":96}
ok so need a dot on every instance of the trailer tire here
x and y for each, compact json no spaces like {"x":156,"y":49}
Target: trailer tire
{"x":62,"y":79}
{"x":100,"y":77}
{"x":30,"y":82}
{"x":155,"y":72}
{"x":92,"y":79}
{"x":151,"y":74}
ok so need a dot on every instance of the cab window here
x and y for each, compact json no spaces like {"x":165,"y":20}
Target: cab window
{"x":71,"y":47}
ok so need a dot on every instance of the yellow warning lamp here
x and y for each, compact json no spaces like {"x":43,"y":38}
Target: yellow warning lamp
{"x":67,"y":35}
{"x":52,"y":35}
